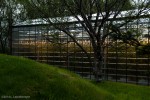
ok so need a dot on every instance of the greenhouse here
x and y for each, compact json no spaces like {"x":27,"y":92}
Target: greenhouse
{"x":121,"y":62}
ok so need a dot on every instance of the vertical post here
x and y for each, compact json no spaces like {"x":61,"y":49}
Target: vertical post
{"x":137,"y":66}
{"x":149,"y":54}
{"x":10,"y":22}
{"x":126,"y":53}
{"x":104,"y":53}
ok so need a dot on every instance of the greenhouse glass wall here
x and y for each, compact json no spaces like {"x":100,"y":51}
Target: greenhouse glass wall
{"x":121,"y":62}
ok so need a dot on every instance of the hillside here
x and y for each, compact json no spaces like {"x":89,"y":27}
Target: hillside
{"x":24,"y":78}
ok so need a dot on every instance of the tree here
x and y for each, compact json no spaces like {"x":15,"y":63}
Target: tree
{"x":3,"y":28}
{"x":97,"y":17}
{"x":10,"y":13}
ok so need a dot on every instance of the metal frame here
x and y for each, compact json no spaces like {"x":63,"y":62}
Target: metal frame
{"x":120,"y":66}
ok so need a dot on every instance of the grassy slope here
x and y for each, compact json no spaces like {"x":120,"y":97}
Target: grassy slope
{"x":19,"y":76}
{"x":123,"y":91}
{"x":23,"y":77}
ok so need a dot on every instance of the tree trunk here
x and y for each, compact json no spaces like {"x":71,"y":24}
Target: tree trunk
{"x":98,"y":63}
{"x":2,"y":46}
{"x":98,"y":70}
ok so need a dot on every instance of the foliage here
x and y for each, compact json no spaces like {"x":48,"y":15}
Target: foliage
{"x":129,"y":36}
{"x":10,"y":13}
{"x":60,"y":9}
{"x":144,"y":50}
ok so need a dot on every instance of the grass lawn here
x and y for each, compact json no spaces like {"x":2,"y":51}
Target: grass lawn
{"x":123,"y":91}
{"x":24,"y":77}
